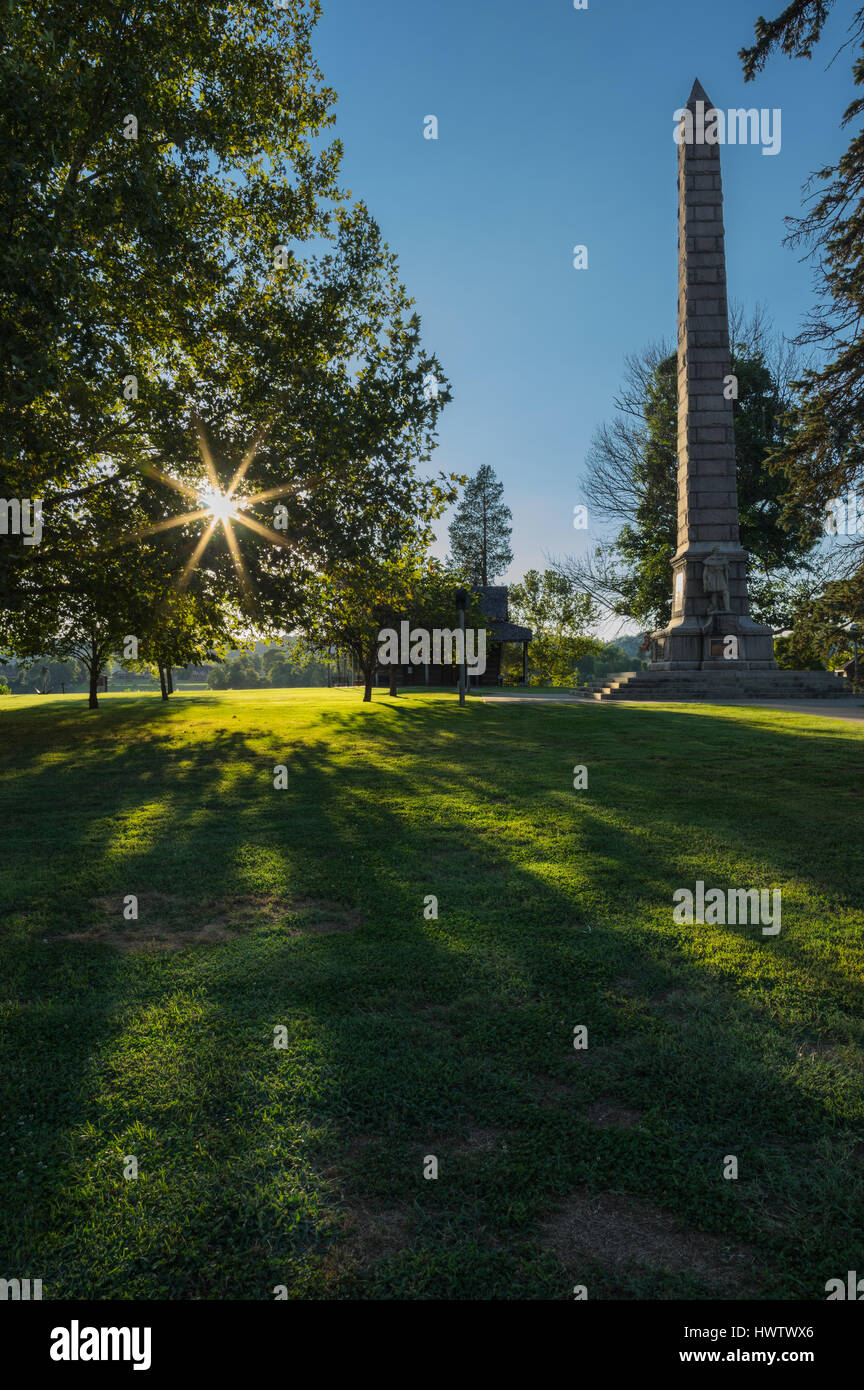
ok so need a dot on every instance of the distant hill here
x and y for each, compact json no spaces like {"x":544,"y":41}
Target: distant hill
{"x":630,"y":645}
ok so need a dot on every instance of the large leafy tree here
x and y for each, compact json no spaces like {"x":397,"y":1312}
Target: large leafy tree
{"x":315,"y":409}
{"x":125,"y":260}
{"x":117,"y":251}
{"x":632,"y":478}
{"x":481,"y":528}
{"x":823,"y":458}
{"x":325,"y":468}
{"x":299,"y":379}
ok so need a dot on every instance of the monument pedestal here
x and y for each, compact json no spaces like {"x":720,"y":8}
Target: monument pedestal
{"x":711,"y":629}
{"x":720,"y":641}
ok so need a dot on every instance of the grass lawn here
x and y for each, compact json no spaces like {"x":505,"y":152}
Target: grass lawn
{"x":409,"y":1037}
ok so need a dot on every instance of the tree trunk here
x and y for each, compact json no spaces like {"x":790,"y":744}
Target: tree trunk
{"x":169,"y":674}
{"x":485,"y":548}
{"x":162,"y":685}
{"x":393,"y":690}
{"x":367,"y":686}
{"x":94,"y":683}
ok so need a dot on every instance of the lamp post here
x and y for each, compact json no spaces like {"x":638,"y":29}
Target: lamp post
{"x":852,"y":629}
{"x":461,"y":602}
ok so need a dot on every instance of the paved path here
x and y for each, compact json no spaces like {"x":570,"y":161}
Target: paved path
{"x":562,"y":697}
{"x":829,"y":709}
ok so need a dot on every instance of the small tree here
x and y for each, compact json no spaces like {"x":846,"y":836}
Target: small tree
{"x":354,"y":607}
{"x":354,"y":604}
{"x":560,"y":617}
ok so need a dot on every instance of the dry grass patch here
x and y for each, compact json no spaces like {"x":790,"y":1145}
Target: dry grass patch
{"x":367,"y":1235}
{"x":820,"y":1048}
{"x":171,"y":922}
{"x":616,"y":1231}
{"x":479,"y":1140}
{"x":606,"y":1114}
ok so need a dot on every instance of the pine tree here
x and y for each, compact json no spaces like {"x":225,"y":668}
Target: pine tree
{"x":480,"y":530}
{"x":823,"y":457}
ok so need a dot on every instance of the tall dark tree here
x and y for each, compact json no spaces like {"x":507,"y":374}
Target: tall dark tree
{"x":823,"y":457}
{"x":633,"y":472}
{"x":480,"y":530}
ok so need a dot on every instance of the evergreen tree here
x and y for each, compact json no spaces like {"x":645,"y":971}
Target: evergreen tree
{"x":480,"y":530}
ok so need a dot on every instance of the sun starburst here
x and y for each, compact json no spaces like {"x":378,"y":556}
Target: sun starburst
{"x":223,"y":505}
{"x":219,"y":507}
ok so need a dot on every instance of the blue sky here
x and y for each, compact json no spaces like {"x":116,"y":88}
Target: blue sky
{"x":555,"y":128}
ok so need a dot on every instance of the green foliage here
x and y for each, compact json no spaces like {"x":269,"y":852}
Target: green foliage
{"x":297,"y":377}
{"x":276,"y":666}
{"x":353,"y":604}
{"x":119,"y":254}
{"x":794,"y":652}
{"x":559,"y":615}
{"x":43,"y":675}
{"x":242,"y":673}
{"x":292,"y":664}
{"x":81,"y":595}
{"x":825,"y":629}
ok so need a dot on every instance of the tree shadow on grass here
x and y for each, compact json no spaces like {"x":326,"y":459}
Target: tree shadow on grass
{"x":412,"y":1031}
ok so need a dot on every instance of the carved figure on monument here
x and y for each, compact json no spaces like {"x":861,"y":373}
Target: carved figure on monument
{"x":715,"y":582}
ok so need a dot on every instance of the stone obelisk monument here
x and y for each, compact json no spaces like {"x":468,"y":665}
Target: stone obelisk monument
{"x":710,"y":628}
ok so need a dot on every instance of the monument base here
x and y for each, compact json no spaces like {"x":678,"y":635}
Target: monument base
{"x":719,"y":641}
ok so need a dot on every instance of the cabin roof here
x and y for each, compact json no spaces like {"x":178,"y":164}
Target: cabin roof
{"x":494,"y":600}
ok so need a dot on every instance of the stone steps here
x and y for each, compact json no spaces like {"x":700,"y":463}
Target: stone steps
{"x":720,"y":685}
